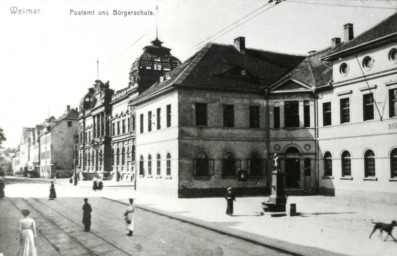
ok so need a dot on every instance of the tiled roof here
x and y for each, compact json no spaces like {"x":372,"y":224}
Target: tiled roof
{"x":385,"y":28}
{"x":218,"y":66}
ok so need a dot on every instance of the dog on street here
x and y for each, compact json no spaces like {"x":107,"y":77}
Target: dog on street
{"x":388,"y":228}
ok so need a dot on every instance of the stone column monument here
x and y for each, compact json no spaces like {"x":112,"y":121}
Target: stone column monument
{"x":277,"y":200}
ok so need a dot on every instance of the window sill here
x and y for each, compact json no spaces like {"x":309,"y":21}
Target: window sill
{"x":202,"y":177}
{"x":328,"y":177}
{"x":158,"y":177}
{"x":229,"y":177}
{"x":255,"y":177}
{"x":141,"y":176}
{"x":393,"y":179}
{"x":168,"y":177}
{"x":346,"y":178}
{"x":150,"y":176}
{"x":370,"y":179}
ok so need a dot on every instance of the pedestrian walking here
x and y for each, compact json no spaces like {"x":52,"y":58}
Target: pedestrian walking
{"x":87,"y":215}
{"x":229,"y":199}
{"x":53,"y":194}
{"x":2,"y":186}
{"x":26,"y":235}
{"x":129,"y":217}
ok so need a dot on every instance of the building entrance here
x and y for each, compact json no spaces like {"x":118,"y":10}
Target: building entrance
{"x":292,"y":168}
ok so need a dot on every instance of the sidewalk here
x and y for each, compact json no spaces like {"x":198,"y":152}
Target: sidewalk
{"x":326,"y":223}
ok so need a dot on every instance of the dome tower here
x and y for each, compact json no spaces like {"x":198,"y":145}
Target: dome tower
{"x":155,"y":61}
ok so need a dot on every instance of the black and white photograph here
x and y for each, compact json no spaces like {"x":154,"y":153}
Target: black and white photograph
{"x":198,"y":127}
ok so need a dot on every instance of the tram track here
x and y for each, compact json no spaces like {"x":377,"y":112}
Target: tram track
{"x":55,"y":227}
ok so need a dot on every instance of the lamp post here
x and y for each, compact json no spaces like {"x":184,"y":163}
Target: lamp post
{"x":75,"y":140}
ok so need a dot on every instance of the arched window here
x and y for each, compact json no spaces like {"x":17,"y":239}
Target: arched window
{"x":118,"y":156}
{"x":327,"y":164}
{"x":168,"y":164}
{"x":229,"y":165}
{"x":141,"y":166}
{"x":346,"y":164}
{"x":255,"y":165}
{"x":100,"y":157}
{"x":158,"y":165}
{"x":369,"y":162}
{"x":393,"y":163}
{"x":201,"y":166}
{"x":149,"y":165}
{"x":122,"y":156}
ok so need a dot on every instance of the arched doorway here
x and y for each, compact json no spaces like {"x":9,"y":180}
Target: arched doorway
{"x":292,"y":168}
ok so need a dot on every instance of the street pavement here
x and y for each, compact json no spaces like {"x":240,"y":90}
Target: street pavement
{"x":325,"y":226}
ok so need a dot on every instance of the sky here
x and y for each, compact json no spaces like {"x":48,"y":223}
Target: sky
{"x":49,"y":60}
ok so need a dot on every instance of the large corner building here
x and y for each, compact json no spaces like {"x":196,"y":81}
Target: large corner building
{"x":216,"y":120}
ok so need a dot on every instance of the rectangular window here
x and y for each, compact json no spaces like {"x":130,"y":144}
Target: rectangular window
{"x":228,"y":116}
{"x":168,"y":115}
{"x":123,"y":126}
{"x":254,"y":116}
{"x":276,"y":116}
{"x":306,"y":114}
{"x":141,"y":123}
{"x":368,"y":106}
{"x":393,"y":103}
{"x":133,"y":123}
{"x":149,"y":121}
{"x":201,"y":114}
{"x":113,"y":129}
{"x":129,"y":124}
{"x":69,"y":123}
{"x":158,"y":119}
{"x":291,"y":113}
{"x":327,"y":113}
{"x":344,"y":110}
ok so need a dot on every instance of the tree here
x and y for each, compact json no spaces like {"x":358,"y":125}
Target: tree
{"x":2,"y":136}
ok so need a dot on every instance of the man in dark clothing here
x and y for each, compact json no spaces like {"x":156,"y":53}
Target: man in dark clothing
{"x":87,"y":215}
{"x":230,"y":198}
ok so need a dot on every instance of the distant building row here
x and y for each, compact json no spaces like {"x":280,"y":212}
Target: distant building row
{"x":47,"y":149}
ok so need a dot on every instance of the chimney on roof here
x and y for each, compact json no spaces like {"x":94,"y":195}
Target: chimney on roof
{"x":335,"y":42}
{"x":239,"y":43}
{"x":67,"y":108}
{"x":348,"y":31}
{"x":312,"y":52}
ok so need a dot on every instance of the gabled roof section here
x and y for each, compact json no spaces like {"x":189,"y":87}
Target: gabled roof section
{"x":223,"y":67}
{"x":309,"y":74}
{"x":384,"y":32}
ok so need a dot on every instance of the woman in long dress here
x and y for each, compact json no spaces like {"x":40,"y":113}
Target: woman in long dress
{"x":129,"y":217}
{"x":53,"y":194}
{"x":27,"y":234}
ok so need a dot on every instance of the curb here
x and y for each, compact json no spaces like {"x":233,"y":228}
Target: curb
{"x":274,"y":244}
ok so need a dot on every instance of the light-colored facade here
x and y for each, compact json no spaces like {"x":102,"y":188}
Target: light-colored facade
{"x":358,"y":135}
{"x":57,"y":147}
{"x":111,"y":153}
